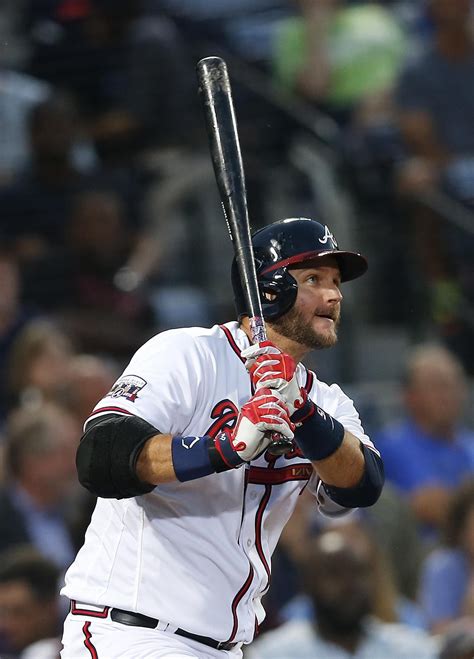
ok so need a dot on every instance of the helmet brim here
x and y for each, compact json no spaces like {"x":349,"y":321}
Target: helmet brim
{"x":351,"y":264}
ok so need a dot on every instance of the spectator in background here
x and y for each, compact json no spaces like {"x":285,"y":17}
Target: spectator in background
{"x":140,"y":56}
{"x":13,"y":317}
{"x":19,"y":93}
{"x":458,"y":640}
{"x":429,"y":453}
{"x":100,"y":315}
{"x":340,"y":578}
{"x":30,"y":612}
{"x":447,"y":580}
{"x":89,"y":378}
{"x":39,"y":362}
{"x":343,"y":58}
{"x":40,"y":488}
{"x":435,"y":107}
{"x":388,"y":527}
{"x":434,"y":97}
{"x":36,"y":205}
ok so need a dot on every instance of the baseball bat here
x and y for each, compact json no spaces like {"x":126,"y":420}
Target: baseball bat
{"x":221,"y":125}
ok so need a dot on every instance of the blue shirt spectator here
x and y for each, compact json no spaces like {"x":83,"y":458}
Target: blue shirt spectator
{"x":413,"y":457}
{"x":426,"y":455}
{"x":443,"y":585}
{"x":447,"y":576}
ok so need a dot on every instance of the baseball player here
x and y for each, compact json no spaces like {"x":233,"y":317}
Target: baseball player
{"x":191,"y":500}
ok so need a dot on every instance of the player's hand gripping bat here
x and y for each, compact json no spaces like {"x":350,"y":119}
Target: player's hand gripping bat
{"x":221,"y":125}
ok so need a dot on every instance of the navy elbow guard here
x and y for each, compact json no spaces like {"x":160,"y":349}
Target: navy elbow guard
{"x":107,"y":455}
{"x":368,"y":490}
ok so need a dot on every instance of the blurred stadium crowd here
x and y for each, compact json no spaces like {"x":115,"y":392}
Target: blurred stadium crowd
{"x":357,"y":113}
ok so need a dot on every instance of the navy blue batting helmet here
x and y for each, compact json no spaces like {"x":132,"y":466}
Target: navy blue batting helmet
{"x":281,"y":245}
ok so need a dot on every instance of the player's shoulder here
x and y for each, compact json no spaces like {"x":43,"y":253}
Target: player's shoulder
{"x":194,"y":339}
{"x":329,"y":391}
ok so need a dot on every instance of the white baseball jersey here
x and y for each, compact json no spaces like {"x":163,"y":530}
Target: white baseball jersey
{"x":197,"y":554}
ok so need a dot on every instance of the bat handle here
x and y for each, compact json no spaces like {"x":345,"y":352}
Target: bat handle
{"x":279,"y":444}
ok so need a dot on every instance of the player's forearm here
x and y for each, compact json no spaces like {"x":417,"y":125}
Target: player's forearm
{"x":155,"y":464}
{"x":351,"y":472}
{"x":345,"y":467}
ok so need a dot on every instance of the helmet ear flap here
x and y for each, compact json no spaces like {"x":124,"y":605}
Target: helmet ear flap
{"x":278,"y":291}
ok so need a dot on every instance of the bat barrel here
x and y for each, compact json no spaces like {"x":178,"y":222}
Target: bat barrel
{"x":221,"y":125}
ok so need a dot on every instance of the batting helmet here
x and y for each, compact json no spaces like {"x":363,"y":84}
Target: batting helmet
{"x":282,"y":244}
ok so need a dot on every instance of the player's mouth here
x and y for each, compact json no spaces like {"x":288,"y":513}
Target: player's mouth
{"x":327,"y":316}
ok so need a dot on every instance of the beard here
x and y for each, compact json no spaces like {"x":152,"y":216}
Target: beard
{"x":293,"y":325}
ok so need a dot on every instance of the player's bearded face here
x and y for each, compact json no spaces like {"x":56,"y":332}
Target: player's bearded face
{"x":296,"y":325}
{"x":314,"y":320}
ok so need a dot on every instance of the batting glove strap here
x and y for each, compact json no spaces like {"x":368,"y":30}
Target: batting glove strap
{"x":222,"y":454}
{"x":317,"y":433}
{"x":196,"y":457}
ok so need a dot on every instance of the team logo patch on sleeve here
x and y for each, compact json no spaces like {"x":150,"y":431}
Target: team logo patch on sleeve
{"x":127,"y":387}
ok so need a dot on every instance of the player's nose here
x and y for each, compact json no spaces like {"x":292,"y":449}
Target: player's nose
{"x":332,"y":294}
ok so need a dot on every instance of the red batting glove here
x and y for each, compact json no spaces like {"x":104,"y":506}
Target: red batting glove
{"x":270,"y":367}
{"x":264,"y":414}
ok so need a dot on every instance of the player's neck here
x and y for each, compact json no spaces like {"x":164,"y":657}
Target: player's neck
{"x":285,"y":344}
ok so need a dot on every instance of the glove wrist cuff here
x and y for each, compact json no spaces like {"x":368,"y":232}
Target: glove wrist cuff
{"x":221,"y":454}
{"x":301,"y":414}
{"x":196,"y":457}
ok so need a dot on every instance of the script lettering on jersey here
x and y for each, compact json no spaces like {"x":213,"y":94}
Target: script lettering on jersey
{"x":225,"y":413}
{"x":127,"y":387}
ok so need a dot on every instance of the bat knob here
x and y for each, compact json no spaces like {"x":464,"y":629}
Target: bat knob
{"x":280,"y":445}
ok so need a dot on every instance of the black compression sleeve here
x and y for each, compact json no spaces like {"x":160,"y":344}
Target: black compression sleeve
{"x":368,"y":490}
{"x":107,"y":456}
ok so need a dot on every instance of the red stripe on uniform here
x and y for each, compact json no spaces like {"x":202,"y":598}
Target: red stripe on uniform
{"x":258,"y":528}
{"x":76,"y":611}
{"x":235,"y":604}
{"x":232,"y":342}
{"x":309,"y":380}
{"x":88,"y":642}
{"x":301,"y":471}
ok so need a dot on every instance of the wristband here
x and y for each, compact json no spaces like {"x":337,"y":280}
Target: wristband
{"x":196,"y":457}
{"x":317,"y":433}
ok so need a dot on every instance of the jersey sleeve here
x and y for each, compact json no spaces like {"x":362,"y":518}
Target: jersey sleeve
{"x":334,"y":401}
{"x":161,"y":384}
